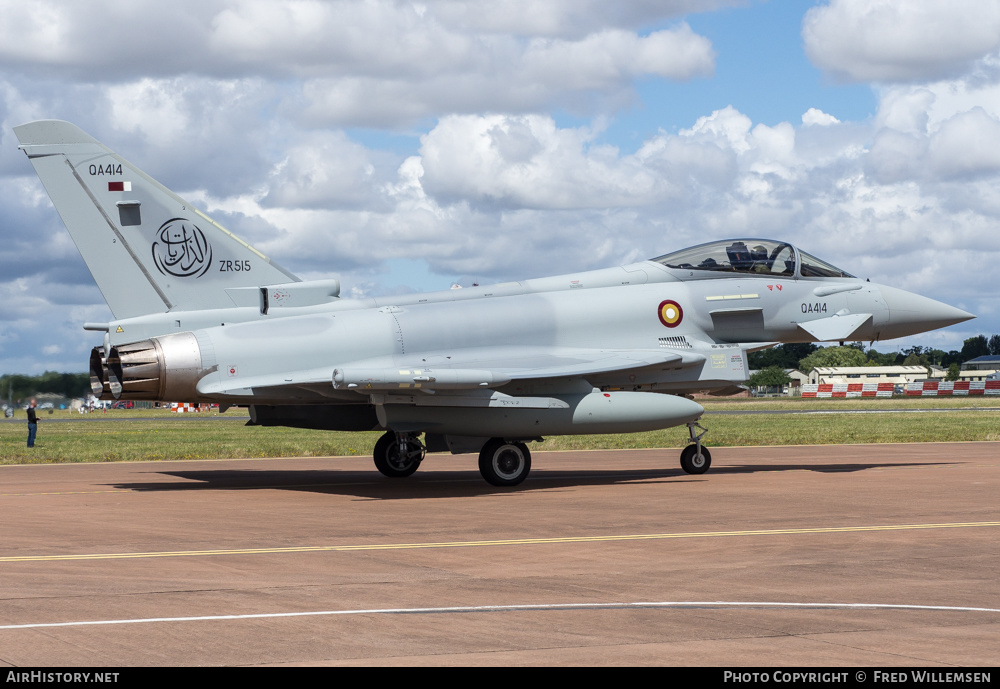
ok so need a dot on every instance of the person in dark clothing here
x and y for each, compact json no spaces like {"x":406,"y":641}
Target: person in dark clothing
{"x":32,"y":423}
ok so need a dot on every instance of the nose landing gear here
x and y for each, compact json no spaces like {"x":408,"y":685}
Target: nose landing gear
{"x":696,"y":459}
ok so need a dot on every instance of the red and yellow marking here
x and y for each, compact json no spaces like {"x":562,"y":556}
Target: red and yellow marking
{"x":670,"y":312}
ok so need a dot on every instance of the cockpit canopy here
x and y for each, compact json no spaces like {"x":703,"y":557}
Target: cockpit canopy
{"x":761,"y":257}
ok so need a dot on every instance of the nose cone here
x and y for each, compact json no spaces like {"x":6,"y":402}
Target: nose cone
{"x":911,"y":313}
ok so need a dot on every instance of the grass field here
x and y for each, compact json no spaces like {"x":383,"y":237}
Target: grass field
{"x":160,"y":435}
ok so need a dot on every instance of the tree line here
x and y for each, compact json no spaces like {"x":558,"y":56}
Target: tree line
{"x":18,"y":388}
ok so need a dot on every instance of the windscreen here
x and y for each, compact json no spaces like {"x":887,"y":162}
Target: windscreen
{"x":812,"y":267}
{"x":753,"y":256}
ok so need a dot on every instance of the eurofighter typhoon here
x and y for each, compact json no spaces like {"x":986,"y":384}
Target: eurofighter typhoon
{"x":201,"y":316}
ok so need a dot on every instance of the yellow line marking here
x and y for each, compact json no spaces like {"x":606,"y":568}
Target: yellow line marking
{"x":471,"y":544}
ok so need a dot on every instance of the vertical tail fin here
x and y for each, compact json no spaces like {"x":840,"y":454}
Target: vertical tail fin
{"x":148,"y":249}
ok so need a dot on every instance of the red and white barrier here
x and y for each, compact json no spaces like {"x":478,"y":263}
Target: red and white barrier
{"x":957,"y":387}
{"x":847,"y":390}
{"x":181,"y":407}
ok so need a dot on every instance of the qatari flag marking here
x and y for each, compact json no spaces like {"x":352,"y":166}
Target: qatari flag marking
{"x":119,"y":186}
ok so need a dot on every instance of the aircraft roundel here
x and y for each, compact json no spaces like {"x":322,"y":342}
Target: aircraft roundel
{"x":670,"y":313}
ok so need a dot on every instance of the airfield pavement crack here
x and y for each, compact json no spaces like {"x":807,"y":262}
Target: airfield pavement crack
{"x":167,"y":592}
{"x":830,"y":642}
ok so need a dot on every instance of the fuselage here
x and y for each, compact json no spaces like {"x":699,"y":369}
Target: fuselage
{"x":711,"y":317}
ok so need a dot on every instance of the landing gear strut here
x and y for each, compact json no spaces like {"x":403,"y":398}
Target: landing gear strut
{"x":398,"y":454}
{"x":696,"y":459}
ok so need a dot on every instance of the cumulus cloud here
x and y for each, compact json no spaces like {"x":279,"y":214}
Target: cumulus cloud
{"x":109,"y":40}
{"x":379,"y":37}
{"x":327,"y":169}
{"x":818,"y":117}
{"x":526,"y":161}
{"x":929,"y":133}
{"x":893,"y":155}
{"x":503,"y":74}
{"x":906,"y":110}
{"x":104,"y":39}
{"x":370,"y":63}
{"x":727,"y":128}
{"x":563,"y":18}
{"x":887,"y":41}
{"x":967,"y":144}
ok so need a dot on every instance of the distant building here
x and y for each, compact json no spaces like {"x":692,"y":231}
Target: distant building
{"x":797,"y":376}
{"x":51,"y":400}
{"x":980,"y":363}
{"x":792,"y":388}
{"x":975,"y":375}
{"x":980,"y":368}
{"x":897,"y":375}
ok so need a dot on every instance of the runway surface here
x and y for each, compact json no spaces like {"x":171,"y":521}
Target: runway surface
{"x":880,"y":555}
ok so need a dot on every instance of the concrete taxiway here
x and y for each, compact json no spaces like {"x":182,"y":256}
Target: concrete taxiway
{"x":779,"y":556}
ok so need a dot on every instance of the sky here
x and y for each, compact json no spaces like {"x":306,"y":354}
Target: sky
{"x":407,"y":146}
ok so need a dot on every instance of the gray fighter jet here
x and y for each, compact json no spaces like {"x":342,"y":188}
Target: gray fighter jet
{"x":201,"y":316}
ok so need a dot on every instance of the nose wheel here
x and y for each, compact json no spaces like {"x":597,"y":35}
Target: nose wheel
{"x":398,"y":455}
{"x":696,"y":459}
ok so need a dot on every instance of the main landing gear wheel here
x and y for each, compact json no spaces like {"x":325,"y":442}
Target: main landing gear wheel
{"x":397,"y":456}
{"x":504,"y":463}
{"x":695,"y":462}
